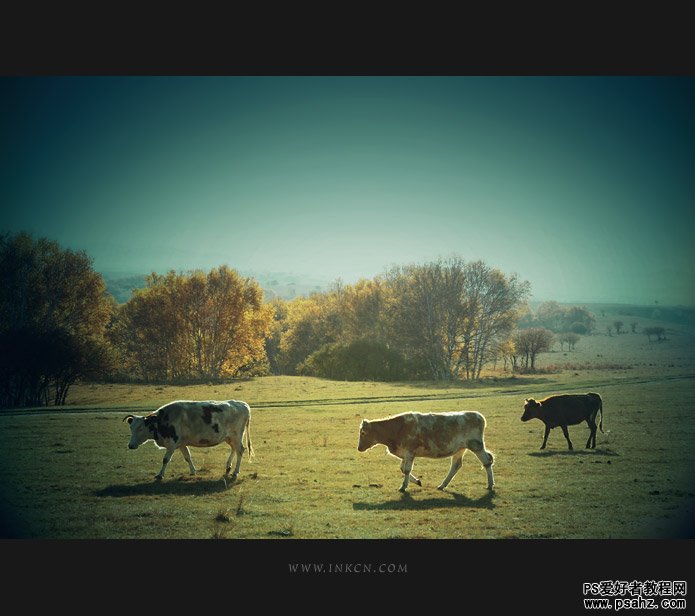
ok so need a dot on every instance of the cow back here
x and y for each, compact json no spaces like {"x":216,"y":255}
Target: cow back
{"x":569,"y":409}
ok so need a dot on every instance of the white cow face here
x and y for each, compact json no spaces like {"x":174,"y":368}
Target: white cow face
{"x":367,"y":439}
{"x":139,"y":432}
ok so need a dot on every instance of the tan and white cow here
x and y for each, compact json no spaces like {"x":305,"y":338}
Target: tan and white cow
{"x":199,"y":424}
{"x":430,"y":435}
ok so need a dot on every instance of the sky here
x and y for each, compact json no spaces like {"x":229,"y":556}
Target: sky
{"x":584,"y":186}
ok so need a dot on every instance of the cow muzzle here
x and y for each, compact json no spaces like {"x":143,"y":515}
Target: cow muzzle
{"x":132,"y":446}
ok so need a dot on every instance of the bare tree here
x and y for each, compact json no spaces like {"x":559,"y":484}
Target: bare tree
{"x":570,"y":338}
{"x":453,"y":313}
{"x":530,"y":342}
{"x":495,"y":300}
{"x":618,"y":326}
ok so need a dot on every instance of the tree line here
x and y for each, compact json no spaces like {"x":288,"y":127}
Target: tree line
{"x":443,"y":320}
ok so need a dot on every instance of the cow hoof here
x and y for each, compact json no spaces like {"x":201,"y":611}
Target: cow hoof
{"x":492,"y":487}
{"x":192,"y":472}
{"x":157,"y":477}
{"x":440,"y":487}
{"x":234,"y":476}
{"x":401,"y":490}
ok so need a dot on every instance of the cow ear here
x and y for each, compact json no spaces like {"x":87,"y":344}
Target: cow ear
{"x":129,"y":418}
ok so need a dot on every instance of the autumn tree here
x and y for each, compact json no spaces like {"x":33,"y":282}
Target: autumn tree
{"x":507,"y":351}
{"x":530,"y":342}
{"x":364,"y":311}
{"x":54,"y":311}
{"x":311,"y":322}
{"x":194,"y":326}
{"x":278,"y":327}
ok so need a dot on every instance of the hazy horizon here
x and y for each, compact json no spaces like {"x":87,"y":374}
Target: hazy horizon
{"x":582,"y":186}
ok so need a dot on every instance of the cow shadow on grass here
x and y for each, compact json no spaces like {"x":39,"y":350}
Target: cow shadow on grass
{"x":574,"y":452}
{"x":447,"y":500}
{"x":176,"y":487}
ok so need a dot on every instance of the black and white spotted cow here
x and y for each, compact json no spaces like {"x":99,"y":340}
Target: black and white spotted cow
{"x":199,"y":424}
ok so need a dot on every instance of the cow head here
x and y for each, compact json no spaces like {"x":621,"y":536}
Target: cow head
{"x":531,"y":408}
{"x":139,"y":431}
{"x":367,"y":439}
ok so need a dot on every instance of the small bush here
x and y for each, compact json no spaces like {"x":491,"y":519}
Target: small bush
{"x":359,"y":361}
{"x":579,"y":328}
{"x":658,"y":332}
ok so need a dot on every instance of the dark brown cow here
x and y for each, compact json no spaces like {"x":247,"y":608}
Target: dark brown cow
{"x":566,"y":410}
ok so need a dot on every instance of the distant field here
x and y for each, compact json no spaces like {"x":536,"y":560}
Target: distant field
{"x":70,"y":475}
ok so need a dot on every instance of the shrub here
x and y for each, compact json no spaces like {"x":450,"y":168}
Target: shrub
{"x":579,"y":328}
{"x":361,"y":360}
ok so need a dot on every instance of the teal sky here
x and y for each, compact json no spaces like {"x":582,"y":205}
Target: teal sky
{"x":583,"y":186}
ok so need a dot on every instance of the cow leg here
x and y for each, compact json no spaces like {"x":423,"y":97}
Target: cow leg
{"x":592,"y":433}
{"x":406,"y":467}
{"x":238,"y":448}
{"x":167,"y":457}
{"x":413,"y":478}
{"x":456,"y":461}
{"x":187,"y":456}
{"x":545,"y":436}
{"x":567,"y":436}
{"x":486,"y":459}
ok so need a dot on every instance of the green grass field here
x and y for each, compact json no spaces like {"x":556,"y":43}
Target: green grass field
{"x":68,"y":473}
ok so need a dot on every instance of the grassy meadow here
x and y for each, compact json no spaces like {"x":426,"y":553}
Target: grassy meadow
{"x":68,"y":473}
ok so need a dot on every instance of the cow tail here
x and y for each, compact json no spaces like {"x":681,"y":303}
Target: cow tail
{"x":600,"y":409}
{"x":248,"y":437}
